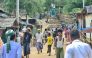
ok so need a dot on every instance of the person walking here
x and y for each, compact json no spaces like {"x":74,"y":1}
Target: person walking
{"x":11,"y":49}
{"x":45,"y":36}
{"x":26,"y":42}
{"x":59,"y":45}
{"x":39,"y":44}
{"x":50,"y":42}
{"x":66,"y":36}
{"x":77,"y":49}
{"x":54,"y":36}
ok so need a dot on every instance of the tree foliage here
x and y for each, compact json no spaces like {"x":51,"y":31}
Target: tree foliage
{"x":9,"y":5}
{"x":30,"y":6}
{"x":68,"y":8}
{"x":70,"y":5}
{"x":48,"y":4}
{"x":38,"y":6}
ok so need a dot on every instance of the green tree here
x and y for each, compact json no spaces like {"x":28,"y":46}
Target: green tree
{"x":89,"y":2}
{"x":48,"y":4}
{"x":73,"y":4}
{"x":30,"y":6}
{"x":68,"y":8}
{"x":9,"y":5}
{"x":38,"y":6}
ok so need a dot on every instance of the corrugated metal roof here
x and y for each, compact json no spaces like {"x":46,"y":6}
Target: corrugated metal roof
{"x":7,"y":22}
{"x":87,"y":30}
{"x":88,"y":8}
{"x":24,"y":17}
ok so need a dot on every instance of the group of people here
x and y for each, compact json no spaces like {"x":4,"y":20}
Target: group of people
{"x":75,"y":48}
{"x":11,"y":49}
{"x":67,"y":43}
{"x":15,"y":44}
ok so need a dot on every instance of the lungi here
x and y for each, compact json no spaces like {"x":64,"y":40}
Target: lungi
{"x":59,"y":53}
{"x":39,"y":46}
{"x":26,"y":49}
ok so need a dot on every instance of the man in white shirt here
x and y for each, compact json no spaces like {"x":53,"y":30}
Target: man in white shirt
{"x":38,"y":38}
{"x":77,"y":49}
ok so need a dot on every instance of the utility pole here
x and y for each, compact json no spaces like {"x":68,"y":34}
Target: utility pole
{"x":17,"y":12}
{"x":83,"y":3}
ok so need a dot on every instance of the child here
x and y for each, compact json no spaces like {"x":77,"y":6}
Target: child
{"x":49,"y":41}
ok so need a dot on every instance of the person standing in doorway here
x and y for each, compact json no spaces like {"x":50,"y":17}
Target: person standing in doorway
{"x":77,"y":49}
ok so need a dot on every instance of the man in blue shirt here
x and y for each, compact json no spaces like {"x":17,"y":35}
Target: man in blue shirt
{"x":15,"y":50}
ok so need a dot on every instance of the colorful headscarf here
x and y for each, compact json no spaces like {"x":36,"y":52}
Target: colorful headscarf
{"x":8,"y":34}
